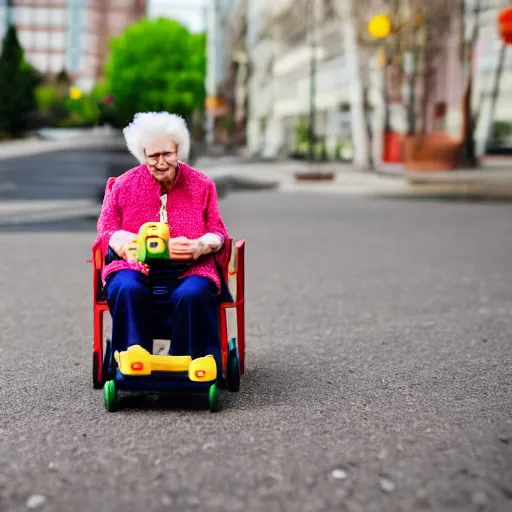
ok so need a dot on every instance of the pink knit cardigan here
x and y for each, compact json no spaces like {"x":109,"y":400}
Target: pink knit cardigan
{"x":192,"y":211}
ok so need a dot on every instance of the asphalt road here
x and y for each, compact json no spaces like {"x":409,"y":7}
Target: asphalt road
{"x":66,"y":175}
{"x":378,"y":370}
{"x":64,"y":185}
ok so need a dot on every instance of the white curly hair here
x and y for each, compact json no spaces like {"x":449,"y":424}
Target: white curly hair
{"x":147,"y":125}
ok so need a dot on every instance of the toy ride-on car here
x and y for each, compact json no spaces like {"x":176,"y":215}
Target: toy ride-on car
{"x":136,"y":369}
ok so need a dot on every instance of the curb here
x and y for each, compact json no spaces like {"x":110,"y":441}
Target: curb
{"x":497,"y":192}
{"x":233,"y":183}
{"x":447,"y":196}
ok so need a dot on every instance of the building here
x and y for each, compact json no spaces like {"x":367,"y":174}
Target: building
{"x":297,"y":70}
{"x":70,"y":35}
{"x":47,"y":31}
{"x":299,"y":73}
{"x":106,"y":19}
{"x":260,"y":52}
{"x":235,"y":72}
{"x":219,"y":15}
{"x":493,"y":82}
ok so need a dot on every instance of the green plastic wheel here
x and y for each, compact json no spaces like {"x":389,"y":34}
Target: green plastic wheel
{"x":214,"y":398}
{"x":110,"y":395}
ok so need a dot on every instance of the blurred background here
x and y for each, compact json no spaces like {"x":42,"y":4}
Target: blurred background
{"x":363,"y":148}
{"x":373,"y":82}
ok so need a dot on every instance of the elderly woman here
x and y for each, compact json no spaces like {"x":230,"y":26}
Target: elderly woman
{"x":162,"y":188}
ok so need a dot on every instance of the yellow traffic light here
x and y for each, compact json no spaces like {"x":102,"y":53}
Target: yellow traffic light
{"x":379,"y":26}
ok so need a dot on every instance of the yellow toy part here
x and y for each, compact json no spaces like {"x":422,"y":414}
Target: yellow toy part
{"x":157,"y":246}
{"x":154,"y":229}
{"x":137,"y":361}
{"x":202,"y":369}
{"x":153,"y":241}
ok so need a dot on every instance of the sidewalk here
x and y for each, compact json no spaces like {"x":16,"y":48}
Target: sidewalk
{"x":492,"y":181}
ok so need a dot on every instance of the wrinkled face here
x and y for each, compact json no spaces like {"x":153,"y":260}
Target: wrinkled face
{"x":162,"y":158}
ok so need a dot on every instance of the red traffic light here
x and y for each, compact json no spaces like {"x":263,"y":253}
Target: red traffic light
{"x":505,"y":24}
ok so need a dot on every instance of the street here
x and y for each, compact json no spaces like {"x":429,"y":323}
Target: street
{"x":69,"y":175}
{"x":378,"y":371}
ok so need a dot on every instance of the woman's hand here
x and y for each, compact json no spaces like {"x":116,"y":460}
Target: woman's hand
{"x":124,"y":244}
{"x":129,"y":252}
{"x":183,"y":248}
{"x":180,"y":248}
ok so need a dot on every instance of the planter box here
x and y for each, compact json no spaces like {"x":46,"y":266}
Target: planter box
{"x":431,"y":152}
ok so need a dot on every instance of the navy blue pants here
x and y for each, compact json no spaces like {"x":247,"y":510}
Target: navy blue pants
{"x":155,"y":307}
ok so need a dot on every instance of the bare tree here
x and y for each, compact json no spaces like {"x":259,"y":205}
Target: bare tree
{"x":358,"y":49}
{"x":412,"y":51}
{"x":435,"y":25}
{"x":468,"y":157}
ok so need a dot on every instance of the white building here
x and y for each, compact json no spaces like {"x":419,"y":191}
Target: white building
{"x":489,"y":50}
{"x":260,"y":51}
{"x":280,"y":53}
{"x":219,"y":15}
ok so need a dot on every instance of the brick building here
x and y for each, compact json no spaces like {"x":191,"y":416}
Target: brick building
{"x":70,"y":34}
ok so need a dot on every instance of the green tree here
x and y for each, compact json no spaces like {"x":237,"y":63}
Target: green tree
{"x":51,"y":105}
{"x":157,"y":65}
{"x":18,"y":81}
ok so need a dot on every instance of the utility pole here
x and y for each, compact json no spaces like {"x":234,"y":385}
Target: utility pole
{"x":468,"y":153}
{"x":312,"y":78}
{"x":360,"y":138}
{"x":495,"y":91}
{"x":211,"y":71}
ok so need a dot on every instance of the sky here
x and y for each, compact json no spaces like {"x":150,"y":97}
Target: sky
{"x":189,"y":12}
